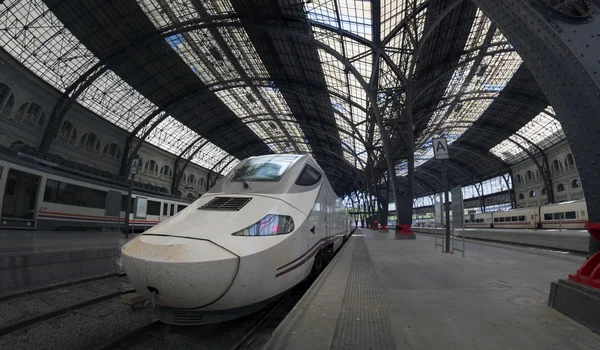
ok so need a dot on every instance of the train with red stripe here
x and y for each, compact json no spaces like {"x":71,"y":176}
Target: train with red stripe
{"x":262,"y":229}
{"x":39,"y":195}
{"x":568,"y":215}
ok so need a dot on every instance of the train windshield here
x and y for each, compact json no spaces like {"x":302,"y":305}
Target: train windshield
{"x":266,"y":168}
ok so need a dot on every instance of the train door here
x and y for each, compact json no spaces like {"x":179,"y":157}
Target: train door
{"x":19,"y":199}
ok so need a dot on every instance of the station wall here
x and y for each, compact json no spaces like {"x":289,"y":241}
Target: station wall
{"x":529,"y":185}
{"x":26,"y":103}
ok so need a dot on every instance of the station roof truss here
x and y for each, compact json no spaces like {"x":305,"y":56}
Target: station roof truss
{"x":220,"y":80}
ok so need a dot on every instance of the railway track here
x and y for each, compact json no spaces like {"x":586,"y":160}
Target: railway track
{"x":45,"y":294}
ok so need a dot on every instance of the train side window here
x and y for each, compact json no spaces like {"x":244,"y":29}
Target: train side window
{"x":495,"y":219}
{"x":172,"y":211}
{"x":309,"y":176}
{"x":515,"y":218}
{"x":522,"y":218}
{"x":570,"y":215}
{"x":501,"y":219}
{"x":557,"y":216}
{"x":153,"y":208}
{"x":547,"y":216}
{"x":165,"y":208}
{"x":69,"y":194}
{"x":181,"y":207}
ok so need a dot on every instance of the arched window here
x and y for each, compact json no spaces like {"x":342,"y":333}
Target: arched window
{"x":569,"y":161}
{"x":31,"y":115}
{"x":556,"y":166}
{"x":166,"y":171}
{"x":90,"y":143}
{"x":544,"y":191}
{"x":521,"y":196}
{"x":190,"y":195}
{"x":17,"y":145}
{"x":575,"y":183}
{"x":151,"y":168}
{"x":560,"y":188}
{"x":529,"y":175}
{"x":537,"y":175}
{"x":201,"y":181}
{"x":7,"y":100}
{"x":519,"y":179}
{"x":111,"y":151}
{"x":67,"y":133}
{"x":532,"y":194}
{"x":192,"y":179}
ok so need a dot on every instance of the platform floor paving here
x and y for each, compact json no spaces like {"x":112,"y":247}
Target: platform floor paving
{"x":382,"y":293}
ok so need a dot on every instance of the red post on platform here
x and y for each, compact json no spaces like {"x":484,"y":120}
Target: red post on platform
{"x":375,"y":225}
{"x":589,"y":273}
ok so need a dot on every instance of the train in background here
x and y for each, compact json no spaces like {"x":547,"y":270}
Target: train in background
{"x":39,"y":197}
{"x":568,"y":215}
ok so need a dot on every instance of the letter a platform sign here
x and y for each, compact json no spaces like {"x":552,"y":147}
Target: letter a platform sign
{"x":440,"y":148}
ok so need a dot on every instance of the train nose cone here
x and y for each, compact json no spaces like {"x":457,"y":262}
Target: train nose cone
{"x":186,"y":273}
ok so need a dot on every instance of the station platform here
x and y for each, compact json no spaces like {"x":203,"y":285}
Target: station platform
{"x":382,"y":293}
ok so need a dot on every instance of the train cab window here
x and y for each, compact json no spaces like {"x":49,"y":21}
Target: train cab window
{"x":153,"y":208}
{"x":172,"y":211}
{"x":570,"y":215}
{"x":181,"y":207}
{"x":308,"y":177}
{"x":557,"y":216}
{"x":522,"y":218}
{"x":266,"y":168}
{"x":515,"y":218}
{"x":547,"y":216}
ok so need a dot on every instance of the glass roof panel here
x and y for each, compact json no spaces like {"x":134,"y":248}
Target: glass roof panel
{"x":227,"y":54}
{"x":484,"y":72}
{"x":350,"y":15}
{"x":544,"y":131}
{"x":33,"y":35}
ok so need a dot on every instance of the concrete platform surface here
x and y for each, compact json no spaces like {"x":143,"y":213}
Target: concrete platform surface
{"x":571,"y":240}
{"x":381,"y":293}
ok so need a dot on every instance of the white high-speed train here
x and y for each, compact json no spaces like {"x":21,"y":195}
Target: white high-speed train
{"x":258,"y":232}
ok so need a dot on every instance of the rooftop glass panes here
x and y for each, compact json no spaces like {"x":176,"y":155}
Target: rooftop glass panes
{"x":488,"y":63}
{"x":226,"y":54}
{"x":544,"y":131}
{"x":33,"y":35}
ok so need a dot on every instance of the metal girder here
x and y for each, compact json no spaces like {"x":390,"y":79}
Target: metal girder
{"x":65,"y":102}
{"x":562,"y":57}
{"x":422,"y":6}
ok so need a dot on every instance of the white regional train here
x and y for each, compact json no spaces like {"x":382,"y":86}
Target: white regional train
{"x":568,"y":215}
{"x":37,"y":196}
{"x":258,"y":232}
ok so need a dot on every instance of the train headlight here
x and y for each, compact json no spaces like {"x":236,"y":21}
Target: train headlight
{"x":268,"y":226}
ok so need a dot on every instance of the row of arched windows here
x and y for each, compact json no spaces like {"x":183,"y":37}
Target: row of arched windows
{"x":152,"y":168}
{"x":575,"y":183}
{"x":29,"y":114}
{"x":32,"y":116}
{"x":556,"y":166}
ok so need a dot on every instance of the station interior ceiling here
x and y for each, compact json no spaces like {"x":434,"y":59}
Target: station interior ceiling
{"x":221,"y":80}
